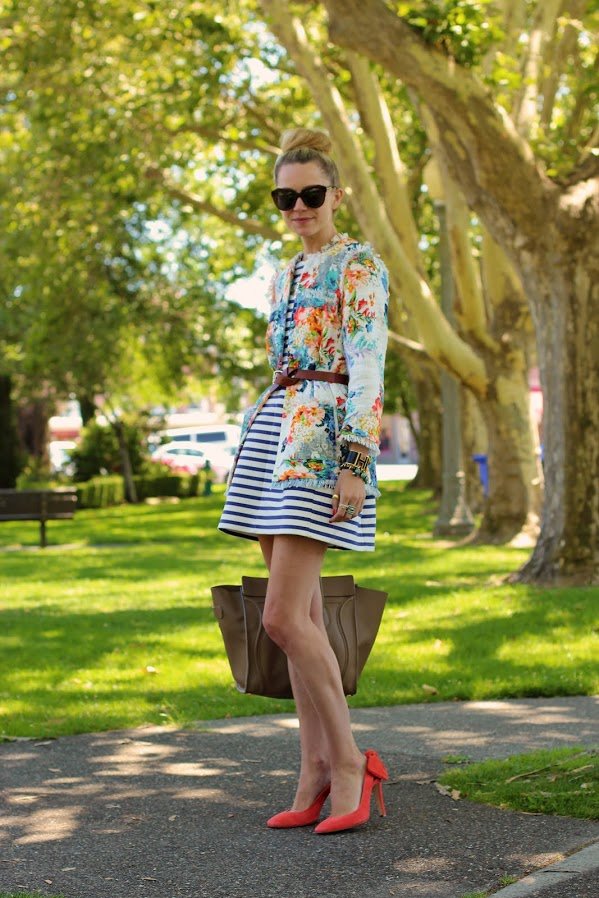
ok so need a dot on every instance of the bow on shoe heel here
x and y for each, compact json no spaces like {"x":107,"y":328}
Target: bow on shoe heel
{"x":374,"y":774}
{"x":289,"y":819}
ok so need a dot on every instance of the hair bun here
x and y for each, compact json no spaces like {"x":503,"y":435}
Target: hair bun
{"x":306,"y":137}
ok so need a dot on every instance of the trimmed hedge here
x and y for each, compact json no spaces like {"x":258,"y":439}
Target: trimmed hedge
{"x":100,"y":492}
{"x":181,"y":485}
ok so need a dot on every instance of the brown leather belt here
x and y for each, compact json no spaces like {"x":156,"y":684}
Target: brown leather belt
{"x":288,"y":377}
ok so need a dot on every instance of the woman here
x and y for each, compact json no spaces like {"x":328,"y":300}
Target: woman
{"x":305,"y":476}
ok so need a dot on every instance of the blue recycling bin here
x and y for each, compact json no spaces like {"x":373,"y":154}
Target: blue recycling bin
{"x":483,"y":471}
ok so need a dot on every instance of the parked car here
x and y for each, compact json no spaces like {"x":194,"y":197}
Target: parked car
{"x":221,"y":460}
{"x":223,"y":436}
{"x":188,"y":458}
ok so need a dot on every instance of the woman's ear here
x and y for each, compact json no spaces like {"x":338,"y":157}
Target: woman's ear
{"x":339,"y":192}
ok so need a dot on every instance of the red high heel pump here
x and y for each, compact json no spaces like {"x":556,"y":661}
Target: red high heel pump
{"x":289,"y":819}
{"x":374,"y":775}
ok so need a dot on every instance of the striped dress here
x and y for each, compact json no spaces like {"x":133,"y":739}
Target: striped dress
{"x":253,"y":508}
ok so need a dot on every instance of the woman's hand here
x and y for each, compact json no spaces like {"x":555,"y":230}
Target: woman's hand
{"x":349,"y":490}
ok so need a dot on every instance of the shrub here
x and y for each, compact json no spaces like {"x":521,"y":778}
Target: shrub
{"x":100,"y":492}
{"x":33,"y":477}
{"x":181,"y":485}
{"x":98,"y":450}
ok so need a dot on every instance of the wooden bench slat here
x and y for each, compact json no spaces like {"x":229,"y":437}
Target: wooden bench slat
{"x":38,"y":505}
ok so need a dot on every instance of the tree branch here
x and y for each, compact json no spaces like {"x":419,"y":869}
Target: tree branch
{"x":442,"y":343}
{"x":376,"y":120}
{"x":525,"y":113}
{"x":581,"y":102}
{"x":217,"y":136}
{"x":249,"y":225}
{"x":268,"y":126}
{"x":494,"y":166}
{"x":411,"y":345}
{"x":469,"y":305}
{"x":513,"y":17}
{"x":562,"y":48}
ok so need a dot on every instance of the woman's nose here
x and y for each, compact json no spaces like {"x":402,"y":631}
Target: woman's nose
{"x":302,"y":205}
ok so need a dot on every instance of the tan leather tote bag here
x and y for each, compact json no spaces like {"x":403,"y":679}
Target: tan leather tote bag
{"x":352,"y":617}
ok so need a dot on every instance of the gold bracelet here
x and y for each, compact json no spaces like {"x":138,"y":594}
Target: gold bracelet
{"x":355,"y":470}
{"x":360,"y":460}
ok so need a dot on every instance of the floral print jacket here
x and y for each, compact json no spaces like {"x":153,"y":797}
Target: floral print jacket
{"x":339,"y":324}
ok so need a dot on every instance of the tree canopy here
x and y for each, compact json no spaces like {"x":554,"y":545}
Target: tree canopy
{"x":137,"y":144}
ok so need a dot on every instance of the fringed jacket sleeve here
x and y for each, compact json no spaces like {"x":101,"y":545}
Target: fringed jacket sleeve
{"x":365,"y":296}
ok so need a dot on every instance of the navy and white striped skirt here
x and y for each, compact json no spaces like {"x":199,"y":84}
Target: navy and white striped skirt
{"x":253,"y":508}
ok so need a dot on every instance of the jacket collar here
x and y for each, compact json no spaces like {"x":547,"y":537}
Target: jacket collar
{"x":335,"y":244}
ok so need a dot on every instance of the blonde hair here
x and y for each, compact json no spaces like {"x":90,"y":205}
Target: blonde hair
{"x":307,"y":145}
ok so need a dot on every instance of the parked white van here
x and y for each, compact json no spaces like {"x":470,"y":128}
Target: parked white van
{"x":220,"y":436}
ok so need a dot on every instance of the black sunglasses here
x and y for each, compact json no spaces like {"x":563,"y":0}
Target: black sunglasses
{"x":313,"y":197}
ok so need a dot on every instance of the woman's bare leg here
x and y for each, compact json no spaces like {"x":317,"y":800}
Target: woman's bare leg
{"x":315,"y":768}
{"x":295,"y":564}
{"x":315,"y":771}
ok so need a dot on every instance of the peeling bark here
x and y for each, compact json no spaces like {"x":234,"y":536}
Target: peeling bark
{"x":515,"y":494}
{"x":497,"y":330}
{"x":376,"y":119}
{"x":468,"y":121}
{"x":512,"y":506}
{"x":442,"y":343}
{"x":550,"y":233}
{"x":568,"y":547}
{"x":475,"y":442}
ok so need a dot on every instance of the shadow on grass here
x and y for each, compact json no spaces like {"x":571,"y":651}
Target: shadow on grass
{"x":544,"y":646}
{"x":69,"y":672}
{"x":93,"y":665}
{"x":184,"y":521}
{"x":80,"y":628}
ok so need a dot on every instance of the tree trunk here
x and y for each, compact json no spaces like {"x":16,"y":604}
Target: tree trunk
{"x":568,"y":348}
{"x":549,"y":231}
{"x":579,"y":546}
{"x":430,"y":436}
{"x":441,"y":342}
{"x":130,"y":490}
{"x":494,"y":318}
{"x":515,"y":477}
{"x":513,"y":502}
{"x":87,"y":408}
{"x":475,"y":443}
{"x":9,"y":441}
{"x":34,"y":432}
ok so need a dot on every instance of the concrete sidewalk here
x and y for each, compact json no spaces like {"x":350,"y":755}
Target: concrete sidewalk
{"x":165,"y":813}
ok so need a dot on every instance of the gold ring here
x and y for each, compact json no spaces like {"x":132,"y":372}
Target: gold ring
{"x":335,"y":496}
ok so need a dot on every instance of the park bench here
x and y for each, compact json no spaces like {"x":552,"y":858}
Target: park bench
{"x":37,"y":505}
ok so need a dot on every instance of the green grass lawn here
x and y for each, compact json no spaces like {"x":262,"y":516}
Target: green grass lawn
{"x":115,"y":627}
{"x":557,"y":781}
